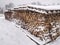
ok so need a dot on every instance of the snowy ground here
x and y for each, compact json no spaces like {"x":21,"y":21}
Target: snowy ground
{"x":10,"y":34}
{"x":1,"y":15}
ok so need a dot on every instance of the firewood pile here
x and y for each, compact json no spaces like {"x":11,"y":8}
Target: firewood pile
{"x":44,"y":26}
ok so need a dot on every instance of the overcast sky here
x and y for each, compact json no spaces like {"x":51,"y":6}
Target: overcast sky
{"x":17,"y":2}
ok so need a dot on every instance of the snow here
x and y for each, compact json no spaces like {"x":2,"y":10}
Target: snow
{"x":11,"y":35}
{"x":1,"y":15}
{"x":41,"y":27}
{"x":51,"y":7}
{"x":36,"y":10}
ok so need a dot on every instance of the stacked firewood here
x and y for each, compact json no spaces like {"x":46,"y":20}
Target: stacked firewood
{"x":8,"y":15}
{"x":43,"y":26}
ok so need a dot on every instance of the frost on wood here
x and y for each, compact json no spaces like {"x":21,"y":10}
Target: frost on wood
{"x":45,"y":26}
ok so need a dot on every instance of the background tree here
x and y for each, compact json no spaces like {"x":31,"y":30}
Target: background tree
{"x":9,"y":6}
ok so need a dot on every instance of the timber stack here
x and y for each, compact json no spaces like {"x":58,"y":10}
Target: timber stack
{"x":41,"y":21}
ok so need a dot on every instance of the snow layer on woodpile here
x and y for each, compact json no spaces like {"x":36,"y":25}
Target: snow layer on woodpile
{"x":49,"y":7}
{"x":52,"y":7}
{"x":37,"y":10}
{"x":40,"y":9}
